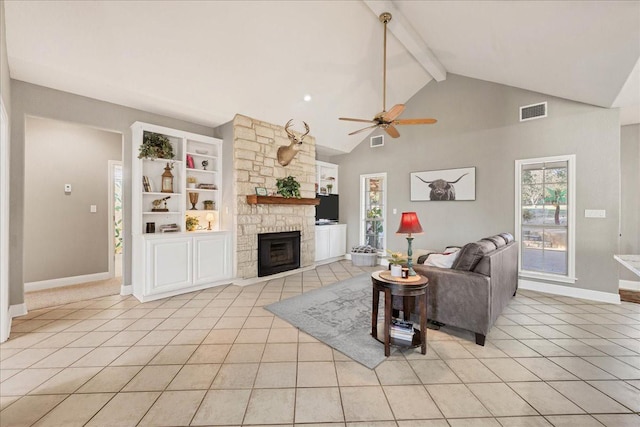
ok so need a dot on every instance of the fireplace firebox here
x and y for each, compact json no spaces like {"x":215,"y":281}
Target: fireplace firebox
{"x":278,"y":252}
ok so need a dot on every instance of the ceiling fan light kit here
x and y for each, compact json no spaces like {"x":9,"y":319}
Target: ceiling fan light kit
{"x":387,"y":120}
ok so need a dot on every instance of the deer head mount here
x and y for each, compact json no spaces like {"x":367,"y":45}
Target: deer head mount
{"x":286,"y":153}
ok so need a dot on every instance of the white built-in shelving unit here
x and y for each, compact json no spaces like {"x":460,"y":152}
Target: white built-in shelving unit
{"x":170,"y":263}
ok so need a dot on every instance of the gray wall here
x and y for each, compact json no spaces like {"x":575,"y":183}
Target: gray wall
{"x":61,"y":237}
{"x":629,"y":195}
{"x":32,"y":100}
{"x":478,"y":126}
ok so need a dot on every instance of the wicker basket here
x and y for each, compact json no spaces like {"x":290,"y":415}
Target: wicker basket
{"x":361,"y":258}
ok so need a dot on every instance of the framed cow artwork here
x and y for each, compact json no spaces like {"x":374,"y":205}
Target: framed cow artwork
{"x":443,"y":185}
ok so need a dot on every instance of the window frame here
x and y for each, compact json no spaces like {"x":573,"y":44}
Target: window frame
{"x":363,"y":213}
{"x":571,"y":218}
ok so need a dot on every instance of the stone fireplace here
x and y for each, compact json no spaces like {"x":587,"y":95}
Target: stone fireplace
{"x":255,"y":144}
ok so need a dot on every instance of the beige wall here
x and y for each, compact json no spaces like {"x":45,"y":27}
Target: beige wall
{"x":629,"y":195}
{"x":32,"y":100}
{"x":478,"y":126}
{"x":62,"y":238}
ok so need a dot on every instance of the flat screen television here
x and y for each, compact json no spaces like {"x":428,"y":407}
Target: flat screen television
{"x":328,"y":208}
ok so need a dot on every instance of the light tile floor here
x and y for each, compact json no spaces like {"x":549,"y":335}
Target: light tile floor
{"x":216,"y":357}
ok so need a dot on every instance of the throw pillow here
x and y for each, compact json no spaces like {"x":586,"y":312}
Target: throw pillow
{"x":441,"y":260}
{"x":470,"y":255}
{"x":508,"y":238}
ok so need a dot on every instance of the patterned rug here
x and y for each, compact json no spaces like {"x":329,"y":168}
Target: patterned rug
{"x":338,"y":315}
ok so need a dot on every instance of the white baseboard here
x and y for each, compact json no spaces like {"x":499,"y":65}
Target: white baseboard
{"x":330,"y":260}
{"x":568,"y":291}
{"x":65,"y":281}
{"x":17,"y":310}
{"x":631,"y":285}
{"x":126,"y":290}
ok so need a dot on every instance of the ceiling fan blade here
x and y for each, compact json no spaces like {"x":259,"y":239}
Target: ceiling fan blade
{"x":414,"y":121}
{"x":363,"y":129}
{"x":393,"y":132}
{"x":356,"y":120}
{"x":394,"y":112}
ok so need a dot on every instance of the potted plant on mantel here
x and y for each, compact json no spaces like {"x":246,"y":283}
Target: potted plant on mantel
{"x":155,"y":146}
{"x":288,"y":187}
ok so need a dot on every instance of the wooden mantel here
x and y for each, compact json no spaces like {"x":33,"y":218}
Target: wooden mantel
{"x":253,"y":199}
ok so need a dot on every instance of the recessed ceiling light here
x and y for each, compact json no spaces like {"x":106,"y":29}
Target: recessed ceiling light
{"x":307,"y":98}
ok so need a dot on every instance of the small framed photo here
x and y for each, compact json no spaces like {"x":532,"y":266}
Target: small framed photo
{"x":261,"y":191}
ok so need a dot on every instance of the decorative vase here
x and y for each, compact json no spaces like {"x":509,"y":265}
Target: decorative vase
{"x":193,"y":198}
{"x":191,"y":185}
{"x":396,"y":270}
{"x":208,"y":205}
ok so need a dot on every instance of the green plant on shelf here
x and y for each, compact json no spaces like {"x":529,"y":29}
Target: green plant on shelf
{"x":155,"y":146}
{"x":192,"y":222}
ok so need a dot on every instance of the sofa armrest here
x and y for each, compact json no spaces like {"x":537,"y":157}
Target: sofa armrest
{"x":458,"y":298}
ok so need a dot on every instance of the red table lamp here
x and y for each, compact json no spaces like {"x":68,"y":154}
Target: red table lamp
{"x":409,"y":224}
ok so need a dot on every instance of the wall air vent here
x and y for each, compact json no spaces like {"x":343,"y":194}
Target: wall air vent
{"x":534,"y":111}
{"x":377,"y":141}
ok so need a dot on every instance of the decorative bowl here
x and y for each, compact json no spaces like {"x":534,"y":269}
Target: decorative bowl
{"x":200,"y":151}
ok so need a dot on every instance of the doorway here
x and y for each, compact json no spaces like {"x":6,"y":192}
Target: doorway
{"x":73,"y":172}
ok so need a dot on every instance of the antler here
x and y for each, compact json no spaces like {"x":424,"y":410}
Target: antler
{"x":306,"y":128}
{"x":290,"y":134}
{"x":286,"y":129}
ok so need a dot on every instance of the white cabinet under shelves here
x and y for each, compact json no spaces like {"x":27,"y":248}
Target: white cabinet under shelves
{"x":170,"y":263}
{"x":331,"y":241}
{"x":326,"y":178}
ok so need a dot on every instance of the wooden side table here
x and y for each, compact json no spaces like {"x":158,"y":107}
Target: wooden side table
{"x":415,"y":286}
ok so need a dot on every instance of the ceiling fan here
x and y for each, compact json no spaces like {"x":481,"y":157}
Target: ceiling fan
{"x":387,"y":120}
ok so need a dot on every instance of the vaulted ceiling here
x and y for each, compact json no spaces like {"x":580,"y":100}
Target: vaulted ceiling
{"x":206,"y":61}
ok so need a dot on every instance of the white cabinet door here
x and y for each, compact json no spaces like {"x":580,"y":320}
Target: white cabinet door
{"x":169,"y":264}
{"x":323,"y":240}
{"x":338,"y":240}
{"x":211,"y":259}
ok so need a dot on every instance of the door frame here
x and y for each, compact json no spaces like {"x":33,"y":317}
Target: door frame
{"x":5,"y":317}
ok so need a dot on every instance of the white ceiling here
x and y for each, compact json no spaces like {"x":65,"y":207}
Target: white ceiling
{"x":206,"y":61}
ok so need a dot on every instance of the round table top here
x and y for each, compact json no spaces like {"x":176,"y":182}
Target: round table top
{"x":410,"y":282}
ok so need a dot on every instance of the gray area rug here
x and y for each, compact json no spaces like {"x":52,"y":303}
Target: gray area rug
{"x":338,"y":315}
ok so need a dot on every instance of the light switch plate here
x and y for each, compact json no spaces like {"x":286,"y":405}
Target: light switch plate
{"x":93,"y":208}
{"x":67,"y":188}
{"x":595,"y":213}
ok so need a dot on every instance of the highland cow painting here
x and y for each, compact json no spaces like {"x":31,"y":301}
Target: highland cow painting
{"x":444,"y":185}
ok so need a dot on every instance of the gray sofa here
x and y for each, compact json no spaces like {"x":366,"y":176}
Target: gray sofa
{"x":472,"y":294}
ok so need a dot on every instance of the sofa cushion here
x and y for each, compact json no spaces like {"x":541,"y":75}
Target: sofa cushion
{"x":508,"y":238}
{"x":471,"y":253}
{"x":497,"y":240}
{"x":441,"y":260}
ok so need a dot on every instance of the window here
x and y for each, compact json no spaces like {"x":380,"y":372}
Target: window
{"x":373,"y":200}
{"x":545,"y":217}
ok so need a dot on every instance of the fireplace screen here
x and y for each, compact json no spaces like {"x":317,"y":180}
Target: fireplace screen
{"x":278,"y":252}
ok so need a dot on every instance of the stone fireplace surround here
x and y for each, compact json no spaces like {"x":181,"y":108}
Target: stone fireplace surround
{"x":255,"y":144}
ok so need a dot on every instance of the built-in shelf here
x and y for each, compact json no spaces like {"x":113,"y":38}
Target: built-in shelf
{"x":253,"y":199}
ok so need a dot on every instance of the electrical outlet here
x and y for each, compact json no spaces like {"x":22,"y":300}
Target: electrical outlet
{"x":67,"y":188}
{"x":595,"y":213}
{"x":93,"y":208}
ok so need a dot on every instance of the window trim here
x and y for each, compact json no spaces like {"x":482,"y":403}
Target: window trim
{"x":571,"y":217}
{"x":362,"y":213}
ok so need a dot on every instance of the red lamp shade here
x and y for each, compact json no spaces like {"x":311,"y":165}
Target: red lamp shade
{"x":409,"y":224}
